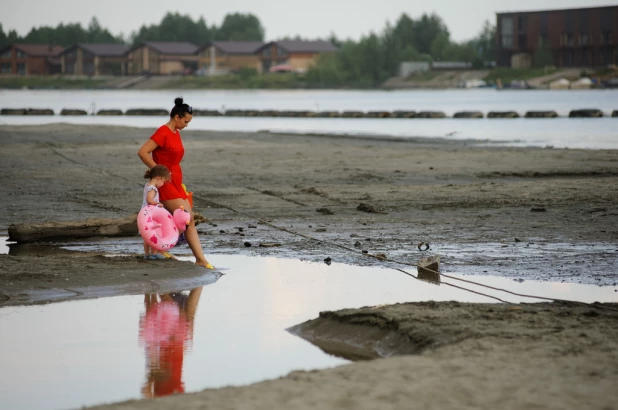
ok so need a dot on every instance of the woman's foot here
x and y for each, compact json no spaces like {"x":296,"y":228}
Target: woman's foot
{"x":205,"y":264}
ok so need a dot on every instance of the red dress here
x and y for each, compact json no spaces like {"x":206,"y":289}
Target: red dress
{"x":169,"y":153}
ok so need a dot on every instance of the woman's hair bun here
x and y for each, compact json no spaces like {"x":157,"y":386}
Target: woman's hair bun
{"x":178,"y":101}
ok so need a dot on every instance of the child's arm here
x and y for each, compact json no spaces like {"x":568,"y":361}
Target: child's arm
{"x":150,"y":197}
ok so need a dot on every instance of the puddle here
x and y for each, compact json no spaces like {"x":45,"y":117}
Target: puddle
{"x":93,"y":351}
{"x":4,"y":245}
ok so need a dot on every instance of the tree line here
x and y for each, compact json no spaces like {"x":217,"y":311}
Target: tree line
{"x":366,"y":62}
{"x":374,"y":58}
{"x":173,"y":27}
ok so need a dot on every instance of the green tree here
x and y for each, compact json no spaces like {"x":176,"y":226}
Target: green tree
{"x":69,"y":34}
{"x":334,"y":40}
{"x":64,"y":35}
{"x":3,"y":37}
{"x":328,"y":72}
{"x":240,"y":27}
{"x":440,"y":48}
{"x":375,"y":58}
{"x":175,"y":27}
{"x":485,"y":42}
{"x":426,"y":30}
{"x":97,"y":34}
{"x":392,"y":51}
{"x":405,"y":31}
{"x":12,"y":37}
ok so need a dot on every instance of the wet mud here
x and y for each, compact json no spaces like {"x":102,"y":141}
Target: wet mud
{"x":62,"y":275}
{"x":524,"y":213}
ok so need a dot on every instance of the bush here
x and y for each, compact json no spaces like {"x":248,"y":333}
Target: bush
{"x":247,"y":72}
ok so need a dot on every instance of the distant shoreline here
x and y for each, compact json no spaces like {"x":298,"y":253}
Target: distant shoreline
{"x":533,"y":78}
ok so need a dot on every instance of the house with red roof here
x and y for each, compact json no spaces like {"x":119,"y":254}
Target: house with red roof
{"x":94,"y":59}
{"x":30,"y":59}
{"x":292,"y":55}
{"x":162,"y":58}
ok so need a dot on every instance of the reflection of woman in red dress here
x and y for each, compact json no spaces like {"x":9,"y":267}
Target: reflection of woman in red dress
{"x":165,"y":147}
{"x":166,"y":329}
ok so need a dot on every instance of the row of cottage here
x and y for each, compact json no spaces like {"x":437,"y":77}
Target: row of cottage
{"x":160,"y":58}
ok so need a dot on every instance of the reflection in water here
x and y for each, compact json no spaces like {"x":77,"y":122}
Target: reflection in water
{"x":165,"y":331}
{"x":429,"y":276}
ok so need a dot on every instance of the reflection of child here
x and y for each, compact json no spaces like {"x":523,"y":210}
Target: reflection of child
{"x":157,"y":176}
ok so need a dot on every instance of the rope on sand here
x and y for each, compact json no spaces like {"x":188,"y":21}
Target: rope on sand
{"x":218,"y":205}
{"x":321,"y":241}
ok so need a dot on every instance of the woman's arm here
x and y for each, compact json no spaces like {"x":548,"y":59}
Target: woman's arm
{"x":144,"y":153}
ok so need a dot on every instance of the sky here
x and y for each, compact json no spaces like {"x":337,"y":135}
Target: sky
{"x":307,"y":18}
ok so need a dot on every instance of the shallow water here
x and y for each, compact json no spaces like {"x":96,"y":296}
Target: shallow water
{"x":559,"y":133}
{"x":449,"y":101}
{"x":90,"y":351}
{"x":593,"y":263}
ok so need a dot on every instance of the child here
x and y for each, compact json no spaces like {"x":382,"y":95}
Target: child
{"x":157,"y":176}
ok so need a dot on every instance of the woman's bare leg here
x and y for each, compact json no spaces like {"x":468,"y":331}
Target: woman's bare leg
{"x":191,"y":234}
{"x":191,"y":308}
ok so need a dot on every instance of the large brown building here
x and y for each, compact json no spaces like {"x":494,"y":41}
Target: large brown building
{"x":585,"y":37}
{"x":30,"y":59}
{"x":94,"y":59}
{"x":298,"y":55}
{"x":162,"y":58}
{"x":226,"y":56}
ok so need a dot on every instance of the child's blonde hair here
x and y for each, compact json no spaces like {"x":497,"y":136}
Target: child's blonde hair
{"x":158,"y":171}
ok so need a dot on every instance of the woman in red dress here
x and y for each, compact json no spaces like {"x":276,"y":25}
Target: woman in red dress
{"x":165,"y":148}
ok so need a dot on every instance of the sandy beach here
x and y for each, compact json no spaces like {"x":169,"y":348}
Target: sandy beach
{"x":521,"y":213}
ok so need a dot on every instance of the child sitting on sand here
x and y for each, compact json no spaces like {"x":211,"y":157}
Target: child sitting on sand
{"x":157,"y":176}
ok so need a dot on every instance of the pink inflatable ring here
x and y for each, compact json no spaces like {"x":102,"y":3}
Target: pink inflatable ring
{"x":159,"y":228}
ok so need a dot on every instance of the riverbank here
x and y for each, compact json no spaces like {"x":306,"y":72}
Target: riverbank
{"x":521,"y":213}
{"x":535,"y":77}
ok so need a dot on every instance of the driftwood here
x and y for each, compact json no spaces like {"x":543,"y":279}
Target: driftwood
{"x":93,"y":227}
{"x":47,"y":231}
{"x":428,"y":269}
